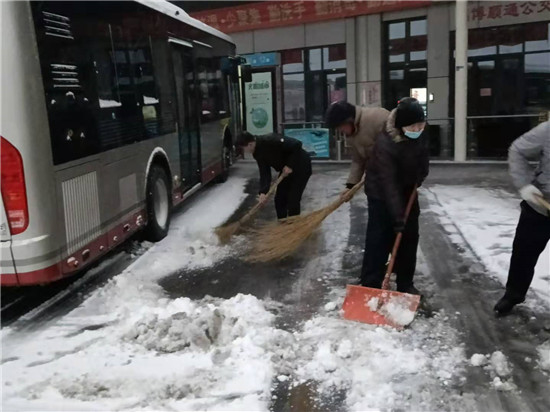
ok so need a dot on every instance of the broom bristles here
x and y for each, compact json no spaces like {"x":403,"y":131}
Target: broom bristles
{"x":278,"y":240}
{"x":225,"y":233}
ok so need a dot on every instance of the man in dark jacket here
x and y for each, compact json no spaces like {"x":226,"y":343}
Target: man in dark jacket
{"x":400,"y":160}
{"x":286,"y":156}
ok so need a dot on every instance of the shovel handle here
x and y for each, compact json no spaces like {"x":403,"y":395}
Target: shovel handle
{"x":543,"y":202}
{"x":386,"y":283}
{"x":259,"y":205}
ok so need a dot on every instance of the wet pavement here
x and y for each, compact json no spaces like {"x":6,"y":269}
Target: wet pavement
{"x":451,"y":277}
{"x":453,"y":286}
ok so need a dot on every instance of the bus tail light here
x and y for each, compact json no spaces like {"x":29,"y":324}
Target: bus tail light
{"x":14,"y":193}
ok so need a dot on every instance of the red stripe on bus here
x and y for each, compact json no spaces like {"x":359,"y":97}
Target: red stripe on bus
{"x":35,"y":277}
{"x":211,"y":172}
{"x":63,"y":268}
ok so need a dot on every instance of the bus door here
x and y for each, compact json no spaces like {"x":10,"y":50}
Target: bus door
{"x":187,"y":118}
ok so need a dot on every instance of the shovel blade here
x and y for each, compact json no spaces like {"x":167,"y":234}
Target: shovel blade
{"x":380,"y":307}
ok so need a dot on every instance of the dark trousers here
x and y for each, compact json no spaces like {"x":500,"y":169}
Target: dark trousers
{"x":290,"y":190}
{"x":379,"y":243}
{"x":532,"y":235}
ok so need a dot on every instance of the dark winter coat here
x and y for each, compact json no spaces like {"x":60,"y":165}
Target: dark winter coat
{"x":277,"y":151}
{"x":397,"y":164}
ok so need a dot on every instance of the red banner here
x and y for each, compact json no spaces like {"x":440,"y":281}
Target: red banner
{"x":269,"y":14}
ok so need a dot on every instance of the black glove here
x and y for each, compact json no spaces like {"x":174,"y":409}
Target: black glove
{"x":349,"y":185}
{"x":399,"y":226}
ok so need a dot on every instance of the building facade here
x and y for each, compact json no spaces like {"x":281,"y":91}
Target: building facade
{"x":373,"y":53}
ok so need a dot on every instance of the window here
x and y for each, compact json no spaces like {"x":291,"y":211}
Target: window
{"x":406,"y":61}
{"x":166,"y":107}
{"x":334,"y":57}
{"x":212,"y":89}
{"x":292,"y":60}
{"x":294,"y":97}
{"x":508,"y":81}
{"x":537,"y":81}
{"x":68,"y":82}
{"x":312,"y":79}
{"x":504,"y":60}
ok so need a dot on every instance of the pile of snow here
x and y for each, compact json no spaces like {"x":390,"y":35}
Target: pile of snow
{"x":128,"y":347}
{"x":486,"y":220}
{"x":478,"y":359}
{"x":380,"y":367}
{"x":181,"y":354}
{"x":544,"y":356}
{"x":498,"y":367}
{"x":396,"y":309}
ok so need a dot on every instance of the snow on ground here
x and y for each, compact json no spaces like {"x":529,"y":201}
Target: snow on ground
{"x":498,"y":368}
{"x":381,"y":368}
{"x":544,"y":356}
{"x":486,"y":219}
{"x":175,"y":355}
{"x":128,"y":347}
{"x":376,"y":367}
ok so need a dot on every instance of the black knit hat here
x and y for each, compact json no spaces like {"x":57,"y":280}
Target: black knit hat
{"x":338,"y":113}
{"x":409,"y":112}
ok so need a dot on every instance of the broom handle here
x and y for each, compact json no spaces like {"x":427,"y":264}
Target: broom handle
{"x":339,"y":202}
{"x":386,"y":283}
{"x":259,"y":205}
{"x":543,"y":202}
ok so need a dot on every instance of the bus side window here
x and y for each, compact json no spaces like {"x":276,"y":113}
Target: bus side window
{"x":66,"y":72}
{"x":166,"y":108}
{"x":213,"y":89}
{"x":142,"y":67}
{"x":122,"y":123}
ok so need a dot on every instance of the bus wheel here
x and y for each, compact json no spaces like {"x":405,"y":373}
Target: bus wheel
{"x":159,"y":204}
{"x":226,"y":164}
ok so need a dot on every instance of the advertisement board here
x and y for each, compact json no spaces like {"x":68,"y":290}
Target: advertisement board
{"x":314,"y":141}
{"x":258,"y":96}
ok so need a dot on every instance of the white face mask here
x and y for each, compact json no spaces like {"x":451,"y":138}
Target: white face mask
{"x":413,"y":135}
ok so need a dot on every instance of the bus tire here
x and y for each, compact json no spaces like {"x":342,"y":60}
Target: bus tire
{"x":226,"y":164}
{"x":159,"y":204}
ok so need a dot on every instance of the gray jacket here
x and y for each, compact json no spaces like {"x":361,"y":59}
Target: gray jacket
{"x":532,"y":146}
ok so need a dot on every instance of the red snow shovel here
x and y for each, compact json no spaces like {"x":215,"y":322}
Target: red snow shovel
{"x":383,"y":306}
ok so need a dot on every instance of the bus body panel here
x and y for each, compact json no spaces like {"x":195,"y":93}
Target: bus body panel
{"x":80,"y":208}
{"x":25,"y":125}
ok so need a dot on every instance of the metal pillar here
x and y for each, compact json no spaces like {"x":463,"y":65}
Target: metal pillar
{"x":461,"y":79}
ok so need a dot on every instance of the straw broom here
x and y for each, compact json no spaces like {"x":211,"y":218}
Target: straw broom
{"x":226,"y":232}
{"x":278,"y":240}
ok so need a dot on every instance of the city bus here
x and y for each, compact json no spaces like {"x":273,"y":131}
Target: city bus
{"x":111,"y":114}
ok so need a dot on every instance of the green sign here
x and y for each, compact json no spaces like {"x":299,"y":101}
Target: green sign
{"x":259,"y":104}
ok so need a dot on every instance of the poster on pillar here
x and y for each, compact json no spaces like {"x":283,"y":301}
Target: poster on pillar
{"x":370,"y":94}
{"x":259,"y":104}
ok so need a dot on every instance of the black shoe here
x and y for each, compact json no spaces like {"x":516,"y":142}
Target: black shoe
{"x":505,"y":305}
{"x":411,"y":290}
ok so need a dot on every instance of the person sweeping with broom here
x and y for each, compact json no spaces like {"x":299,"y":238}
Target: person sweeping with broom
{"x":360,"y":125}
{"x":398,"y":165}
{"x":286,"y":156}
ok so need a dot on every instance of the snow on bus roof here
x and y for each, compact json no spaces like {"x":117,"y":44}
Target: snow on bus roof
{"x":177,"y":13}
